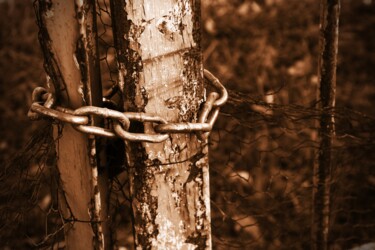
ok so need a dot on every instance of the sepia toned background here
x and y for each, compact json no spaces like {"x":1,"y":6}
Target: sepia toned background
{"x":263,"y":147}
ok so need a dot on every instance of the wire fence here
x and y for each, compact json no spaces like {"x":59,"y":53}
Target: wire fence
{"x":262,"y":151}
{"x":262,"y":171}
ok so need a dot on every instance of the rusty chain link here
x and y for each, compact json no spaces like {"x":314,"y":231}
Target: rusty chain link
{"x":44,"y":106}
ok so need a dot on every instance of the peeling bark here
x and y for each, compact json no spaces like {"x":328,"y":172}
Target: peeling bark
{"x":160,"y":65}
{"x":68,"y":39}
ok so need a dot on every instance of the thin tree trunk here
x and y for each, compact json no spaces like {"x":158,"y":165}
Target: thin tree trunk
{"x":68,"y":39}
{"x":160,"y":64}
{"x":329,"y":26}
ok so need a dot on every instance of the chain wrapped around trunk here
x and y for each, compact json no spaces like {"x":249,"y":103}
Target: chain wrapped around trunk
{"x":44,"y":106}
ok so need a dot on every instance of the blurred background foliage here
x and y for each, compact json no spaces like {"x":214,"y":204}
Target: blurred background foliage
{"x":265,"y":52}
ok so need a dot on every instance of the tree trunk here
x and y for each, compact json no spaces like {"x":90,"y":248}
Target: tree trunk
{"x":329,"y":21}
{"x":160,"y":65}
{"x":69,"y":43}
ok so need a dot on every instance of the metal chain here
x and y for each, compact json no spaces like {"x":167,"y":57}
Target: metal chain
{"x":44,"y":106}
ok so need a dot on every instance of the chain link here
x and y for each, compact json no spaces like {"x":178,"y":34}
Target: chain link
{"x":214,"y":82}
{"x":104,"y":113}
{"x":44,"y":106}
{"x":57,"y":115}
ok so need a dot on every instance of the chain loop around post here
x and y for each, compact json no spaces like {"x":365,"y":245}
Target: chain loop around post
{"x":44,"y":106}
{"x":208,"y":114}
{"x":213,"y":100}
{"x":40,"y":95}
{"x":188,"y":127}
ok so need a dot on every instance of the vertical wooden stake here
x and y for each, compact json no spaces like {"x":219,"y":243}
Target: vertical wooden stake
{"x":329,"y":27}
{"x":160,"y":64}
{"x":68,"y":39}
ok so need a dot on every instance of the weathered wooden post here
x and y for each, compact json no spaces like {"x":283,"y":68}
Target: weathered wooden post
{"x":329,"y":27}
{"x":161,"y":73}
{"x":68,"y":39}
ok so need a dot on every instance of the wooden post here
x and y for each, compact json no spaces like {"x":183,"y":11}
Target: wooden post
{"x":69,"y":43}
{"x":329,"y":27}
{"x":160,"y":64}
